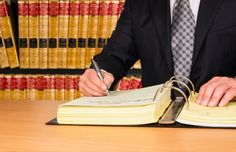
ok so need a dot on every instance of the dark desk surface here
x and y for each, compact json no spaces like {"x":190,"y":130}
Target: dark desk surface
{"x":23,"y":129}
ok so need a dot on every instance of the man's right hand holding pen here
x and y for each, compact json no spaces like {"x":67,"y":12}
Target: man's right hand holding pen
{"x":91,"y":85}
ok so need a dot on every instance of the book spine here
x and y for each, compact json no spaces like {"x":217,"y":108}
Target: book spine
{"x":73,"y":32}
{"x":121,"y":6}
{"x":82,"y":33}
{"x":8,"y":93}
{"x":2,"y":87}
{"x":69,"y":87}
{"x":77,"y":92}
{"x":113,"y":16}
{"x":39,"y":87}
{"x":43,"y":34}
{"x":123,"y":84}
{"x":103,"y":24}
{"x":59,"y":87}
{"x":49,"y":87}
{"x":31,"y":86}
{"x":3,"y":53}
{"x":20,"y":89}
{"x":53,"y":33}
{"x":92,"y":31}
{"x":7,"y":35}
{"x":23,"y":28}
{"x":135,"y":83}
{"x":63,"y":33}
{"x":33,"y":34}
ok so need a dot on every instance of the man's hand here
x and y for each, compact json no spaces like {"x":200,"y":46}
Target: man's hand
{"x":91,"y":85}
{"x":219,"y":91}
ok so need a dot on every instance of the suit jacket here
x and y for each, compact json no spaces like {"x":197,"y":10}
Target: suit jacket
{"x":144,"y":32}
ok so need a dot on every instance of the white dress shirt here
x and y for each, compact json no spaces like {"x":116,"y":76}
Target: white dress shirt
{"x":194,"y":4}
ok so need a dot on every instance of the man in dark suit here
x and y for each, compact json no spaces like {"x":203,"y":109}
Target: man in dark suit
{"x":144,"y":31}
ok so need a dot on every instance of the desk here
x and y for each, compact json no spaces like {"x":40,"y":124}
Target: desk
{"x":22,"y":129}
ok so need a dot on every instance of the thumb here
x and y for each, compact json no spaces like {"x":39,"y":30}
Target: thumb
{"x":108,"y":78}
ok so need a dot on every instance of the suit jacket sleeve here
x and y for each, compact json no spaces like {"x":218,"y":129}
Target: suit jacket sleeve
{"x":119,"y":54}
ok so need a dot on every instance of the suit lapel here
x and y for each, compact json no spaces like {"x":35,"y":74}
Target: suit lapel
{"x":160,"y":10}
{"x":206,"y":14}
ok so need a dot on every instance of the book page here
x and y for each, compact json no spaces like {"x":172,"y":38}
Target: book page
{"x":195,"y":114}
{"x":119,"y":98}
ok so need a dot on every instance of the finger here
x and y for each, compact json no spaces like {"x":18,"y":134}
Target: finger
{"x":201,"y":93}
{"x":95,"y":80}
{"x":89,"y":92}
{"x":94,"y":86}
{"x":208,"y":92}
{"x":108,"y":79}
{"x":229,"y":95}
{"x":218,"y":94}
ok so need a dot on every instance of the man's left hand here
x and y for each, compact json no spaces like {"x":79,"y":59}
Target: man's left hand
{"x":218,"y":91}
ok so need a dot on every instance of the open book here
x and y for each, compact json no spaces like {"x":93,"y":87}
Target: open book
{"x":144,"y":106}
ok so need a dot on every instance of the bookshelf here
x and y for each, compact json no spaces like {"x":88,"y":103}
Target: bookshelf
{"x":97,"y":32}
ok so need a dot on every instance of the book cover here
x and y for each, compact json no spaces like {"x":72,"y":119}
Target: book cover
{"x":3,"y":58}
{"x":23,"y":32}
{"x":103,"y":24}
{"x":43,"y":34}
{"x":33,"y":34}
{"x":53,"y":34}
{"x":82,"y":33}
{"x":7,"y":35}
{"x":92,"y":31}
{"x":73,"y":33}
{"x":63,"y":33}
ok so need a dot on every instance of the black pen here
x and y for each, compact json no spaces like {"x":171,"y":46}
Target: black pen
{"x":99,"y":73}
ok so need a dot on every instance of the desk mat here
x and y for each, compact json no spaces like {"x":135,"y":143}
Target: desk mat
{"x":175,"y":125}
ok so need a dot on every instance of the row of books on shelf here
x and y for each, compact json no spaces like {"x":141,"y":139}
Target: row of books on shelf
{"x":50,"y":87}
{"x":64,"y":33}
{"x":57,"y":34}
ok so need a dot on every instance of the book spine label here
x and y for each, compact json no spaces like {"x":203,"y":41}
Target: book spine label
{"x":33,"y":34}
{"x":92,"y":31}
{"x":23,"y":25}
{"x":53,"y":33}
{"x":7,"y":35}
{"x":121,"y":6}
{"x":82,"y":33}
{"x":63,"y":33}
{"x":103,"y":24}
{"x":43,"y":34}
{"x":3,"y":58}
{"x":73,"y":32}
{"x":9,"y":89}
